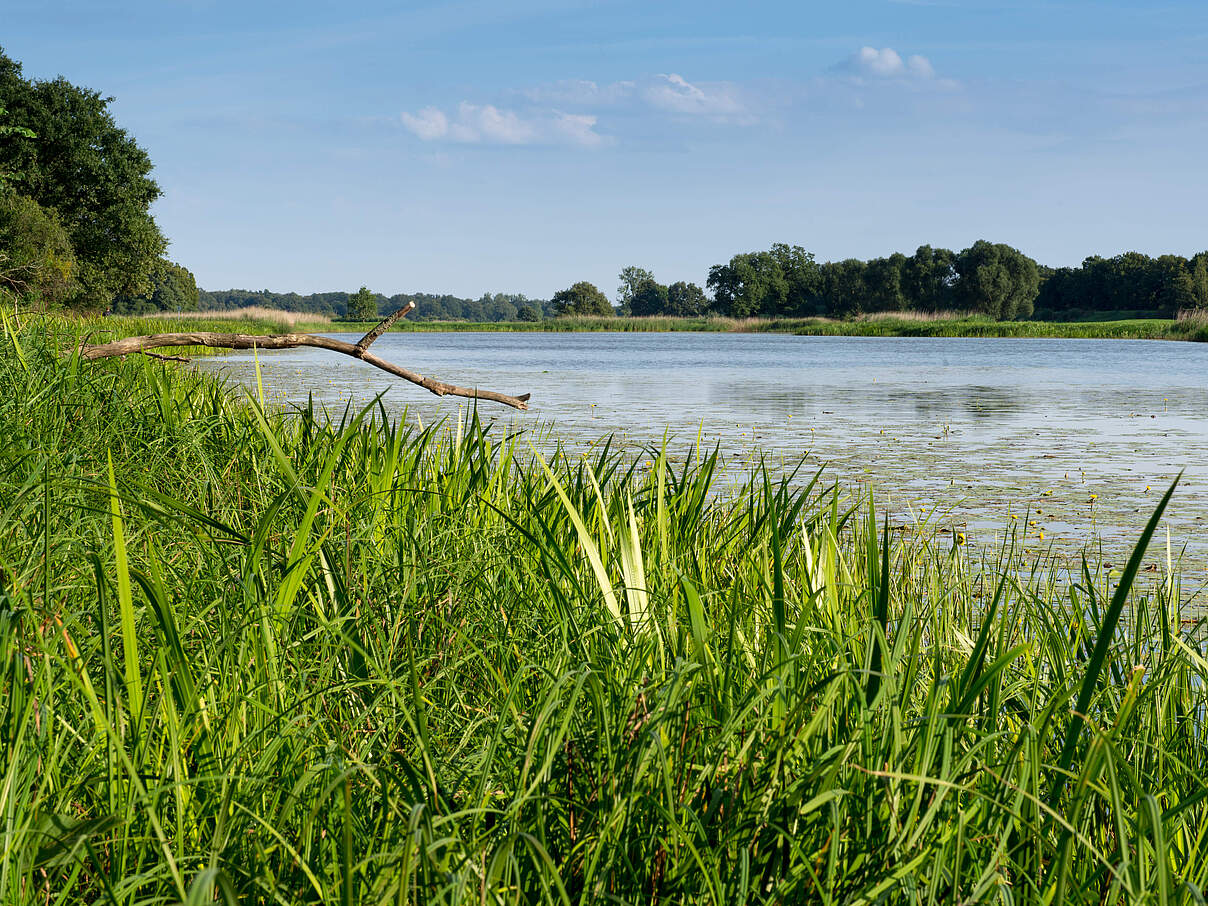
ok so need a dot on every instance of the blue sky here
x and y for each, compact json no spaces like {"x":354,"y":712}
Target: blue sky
{"x":519,"y":147}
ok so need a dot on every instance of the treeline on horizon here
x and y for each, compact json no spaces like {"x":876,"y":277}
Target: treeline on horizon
{"x":428,"y":306}
{"x":76,"y":233}
{"x":989,"y":279}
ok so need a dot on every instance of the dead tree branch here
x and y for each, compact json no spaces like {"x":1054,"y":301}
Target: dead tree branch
{"x":359,"y":350}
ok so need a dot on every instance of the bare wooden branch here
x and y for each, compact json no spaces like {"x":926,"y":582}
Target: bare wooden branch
{"x":359,"y":350}
{"x":366,"y":341}
{"x":166,"y":358}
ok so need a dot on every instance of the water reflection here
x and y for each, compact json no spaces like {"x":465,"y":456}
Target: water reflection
{"x":985,"y":428}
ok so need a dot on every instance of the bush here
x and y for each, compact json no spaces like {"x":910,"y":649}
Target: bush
{"x":36,"y":258}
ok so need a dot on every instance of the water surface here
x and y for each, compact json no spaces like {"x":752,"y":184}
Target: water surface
{"x":1080,"y":437}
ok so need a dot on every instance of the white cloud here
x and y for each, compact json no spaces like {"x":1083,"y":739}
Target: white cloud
{"x":674,"y":93}
{"x":556,"y":113}
{"x":428,"y":124}
{"x":488,"y":124}
{"x":887,"y":63}
{"x":579,"y":128}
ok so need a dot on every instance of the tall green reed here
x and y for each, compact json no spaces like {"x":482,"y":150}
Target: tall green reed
{"x":297,"y":657}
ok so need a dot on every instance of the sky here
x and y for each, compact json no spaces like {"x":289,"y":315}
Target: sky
{"x":478,"y":146}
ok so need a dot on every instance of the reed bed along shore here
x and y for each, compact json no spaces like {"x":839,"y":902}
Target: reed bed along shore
{"x":257,"y":656}
{"x":1189,"y":325}
{"x":905,"y":324}
{"x":257,"y":314}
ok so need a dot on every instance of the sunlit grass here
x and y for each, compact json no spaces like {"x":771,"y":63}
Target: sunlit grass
{"x":277,"y":657}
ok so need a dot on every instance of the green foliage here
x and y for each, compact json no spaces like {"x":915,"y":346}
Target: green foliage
{"x":782,"y":282}
{"x":686,"y":300}
{"x":996,"y":280}
{"x":632,"y":279}
{"x":9,"y":131}
{"x":274,"y":657}
{"x":91,"y":173}
{"x":1132,"y":282}
{"x":650,"y":298}
{"x":362,"y":305}
{"x":843,"y":287}
{"x":528,"y":313}
{"x":172,"y":288}
{"x":36,"y":259}
{"x":581,"y":299}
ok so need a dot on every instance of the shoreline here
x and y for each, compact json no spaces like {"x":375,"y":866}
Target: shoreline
{"x":1132,"y":329}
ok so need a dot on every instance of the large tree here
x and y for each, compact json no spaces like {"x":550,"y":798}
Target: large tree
{"x":686,"y":300}
{"x":997,"y":280}
{"x":927,"y":279}
{"x":172,"y":288}
{"x":650,"y":298}
{"x":89,"y":171}
{"x":843,"y":287}
{"x":632,"y":279}
{"x":582,"y":299}
{"x":782,"y":281}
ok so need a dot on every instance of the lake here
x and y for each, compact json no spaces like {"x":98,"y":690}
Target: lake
{"x":1079,"y":437}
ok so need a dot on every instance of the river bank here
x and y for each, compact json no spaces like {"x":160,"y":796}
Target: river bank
{"x":1188,"y":328}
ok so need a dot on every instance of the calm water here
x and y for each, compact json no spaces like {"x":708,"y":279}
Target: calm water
{"x":985,"y":428}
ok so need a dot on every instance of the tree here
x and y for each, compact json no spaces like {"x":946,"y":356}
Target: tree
{"x":527,"y":313}
{"x":582,"y":299}
{"x":800,"y":280}
{"x":750,"y":285}
{"x":632,"y":278}
{"x":36,"y":259}
{"x":883,"y":282}
{"x":686,"y":300}
{"x":996,"y":280}
{"x":927,"y":279}
{"x":91,"y":173}
{"x":843,"y":287}
{"x":8,"y":130}
{"x":173,"y":288}
{"x":650,"y":298}
{"x":362,"y":305}
{"x":1199,"y":279}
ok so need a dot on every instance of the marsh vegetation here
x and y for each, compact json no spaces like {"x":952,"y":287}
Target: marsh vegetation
{"x":270,"y":656}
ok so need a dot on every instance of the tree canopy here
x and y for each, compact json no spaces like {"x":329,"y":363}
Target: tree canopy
{"x":362,"y":305}
{"x":91,"y":173}
{"x":172,"y":287}
{"x":582,"y":299}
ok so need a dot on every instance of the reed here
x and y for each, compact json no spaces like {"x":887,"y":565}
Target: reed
{"x":256,"y":314}
{"x":259,"y":656}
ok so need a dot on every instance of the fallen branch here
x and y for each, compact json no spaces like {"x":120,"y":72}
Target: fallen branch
{"x":167,"y":358}
{"x":359,"y":350}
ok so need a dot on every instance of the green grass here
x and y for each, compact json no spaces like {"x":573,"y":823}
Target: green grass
{"x":273,"y":657}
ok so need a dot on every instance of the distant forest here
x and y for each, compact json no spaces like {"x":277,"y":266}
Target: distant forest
{"x":991,"y":279}
{"x":428,"y":306}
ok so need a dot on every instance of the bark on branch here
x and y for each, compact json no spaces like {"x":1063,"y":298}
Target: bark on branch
{"x":359,"y":350}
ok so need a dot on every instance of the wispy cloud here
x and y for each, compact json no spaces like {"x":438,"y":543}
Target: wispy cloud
{"x":887,"y":63}
{"x":674,"y":93}
{"x":488,"y":124}
{"x":568,"y":112}
{"x":666,"y":92}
